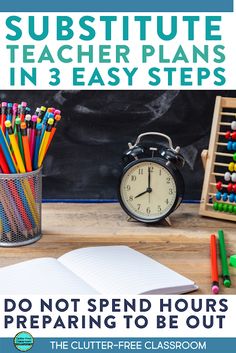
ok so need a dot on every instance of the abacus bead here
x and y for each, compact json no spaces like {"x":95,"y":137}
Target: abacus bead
{"x":220,"y":207}
{"x":225,"y":196}
{"x":230,"y":208}
{"x":234,"y":157}
{"x":229,"y":187}
{"x":231,"y":167}
{"x":231,"y":197}
{"x":234,"y":188}
{"x":227,"y":176}
{"x":225,"y":207}
{"x":215,"y":206}
{"x":234,"y":146}
{"x":233,"y":125}
{"x":233,"y":177}
{"x":218,"y":196}
{"x":233,"y":135}
{"x":228,"y":135}
{"x":219,"y":185}
{"x":234,"y":209}
{"x":229,"y":146}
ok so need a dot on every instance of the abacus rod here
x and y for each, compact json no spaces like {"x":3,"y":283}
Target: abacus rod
{"x":221,"y":164}
{"x":223,"y":185}
{"x":228,"y":113}
{"x":224,"y":154}
{"x":218,"y":174}
{"x":225,"y":124}
{"x":223,"y":202}
{"x":221,"y":144}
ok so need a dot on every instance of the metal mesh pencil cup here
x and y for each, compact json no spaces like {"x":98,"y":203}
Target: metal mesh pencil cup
{"x":20,"y":208}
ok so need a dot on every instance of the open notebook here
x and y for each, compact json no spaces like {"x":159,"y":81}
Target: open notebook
{"x":94,"y":270}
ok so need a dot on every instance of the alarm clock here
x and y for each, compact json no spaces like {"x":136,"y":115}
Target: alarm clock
{"x":151,"y":186}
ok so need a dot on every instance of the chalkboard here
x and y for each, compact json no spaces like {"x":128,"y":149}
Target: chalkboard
{"x":84,"y":161}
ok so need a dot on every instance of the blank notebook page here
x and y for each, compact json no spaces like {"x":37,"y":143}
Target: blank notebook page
{"x":121,"y":270}
{"x":41,"y":276}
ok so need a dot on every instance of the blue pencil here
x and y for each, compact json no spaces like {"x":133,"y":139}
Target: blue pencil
{"x":37,"y":145}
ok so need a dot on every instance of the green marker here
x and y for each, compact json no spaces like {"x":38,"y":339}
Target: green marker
{"x":223,"y":256}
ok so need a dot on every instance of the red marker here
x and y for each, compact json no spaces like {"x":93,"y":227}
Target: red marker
{"x":214,"y":266}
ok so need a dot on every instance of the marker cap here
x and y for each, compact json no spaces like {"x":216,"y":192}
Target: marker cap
{"x":232,"y":260}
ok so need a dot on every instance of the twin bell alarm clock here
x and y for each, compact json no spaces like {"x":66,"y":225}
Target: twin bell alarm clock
{"x":151,"y":186}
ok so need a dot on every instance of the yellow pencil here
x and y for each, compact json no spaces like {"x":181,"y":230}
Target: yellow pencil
{"x":44,"y":143}
{"x":15,"y":147}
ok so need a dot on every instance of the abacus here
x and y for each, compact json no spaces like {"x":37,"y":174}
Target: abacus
{"x":218,"y":198}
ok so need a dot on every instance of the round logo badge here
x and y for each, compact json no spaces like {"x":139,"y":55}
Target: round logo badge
{"x":23,"y":341}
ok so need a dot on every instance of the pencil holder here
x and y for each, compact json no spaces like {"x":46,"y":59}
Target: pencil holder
{"x":20,"y":208}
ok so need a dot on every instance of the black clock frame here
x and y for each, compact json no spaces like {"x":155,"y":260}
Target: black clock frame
{"x":175,"y":173}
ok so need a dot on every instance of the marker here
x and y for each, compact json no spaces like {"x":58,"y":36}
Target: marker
{"x":9,"y":112}
{"x":7,"y":152}
{"x":26,"y":147}
{"x":44,"y":143}
{"x":37,"y":145}
{"x":19,"y":138}
{"x":32,"y":135}
{"x":223,"y":257}
{"x":22,"y":111}
{"x":214,"y":266}
{"x":15,"y":147}
{"x":3,"y":115}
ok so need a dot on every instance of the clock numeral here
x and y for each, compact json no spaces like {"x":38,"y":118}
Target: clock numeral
{"x":140,"y":171}
{"x":159,"y":208}
{"x":131,"y":198}
{"x":170,"y":191}
{"x":139,"y":206}
{"x":133,"y":177}
{"x":168,"y":180}
{"x":167,"y":201}
{"x":151,"y":169}
{"x":160,"y":172}
{"x":128,"y":187}
{"x":148,"y":210}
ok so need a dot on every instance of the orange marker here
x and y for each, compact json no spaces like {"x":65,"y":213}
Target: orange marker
{"x":28,"y":162}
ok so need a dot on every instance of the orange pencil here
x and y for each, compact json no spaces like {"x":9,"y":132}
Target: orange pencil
{"x":54,"y":129}
{"x":214,"y":266}
{"x":28,"y":162}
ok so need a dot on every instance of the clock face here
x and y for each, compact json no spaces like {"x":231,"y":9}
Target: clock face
{"x":148,"y":191}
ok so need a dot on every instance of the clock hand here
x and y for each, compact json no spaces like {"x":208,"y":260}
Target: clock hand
{"x":142,"y":193}
{"x":149,"y":178}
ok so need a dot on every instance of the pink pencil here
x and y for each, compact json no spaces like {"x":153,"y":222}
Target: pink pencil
{"x":32,"y":135}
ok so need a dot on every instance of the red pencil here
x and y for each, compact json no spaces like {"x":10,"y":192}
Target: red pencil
{"x":214,"y":266}
{"x":3,"y":163}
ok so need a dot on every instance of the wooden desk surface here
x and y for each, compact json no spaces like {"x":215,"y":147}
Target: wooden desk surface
{"x":184,"y":246}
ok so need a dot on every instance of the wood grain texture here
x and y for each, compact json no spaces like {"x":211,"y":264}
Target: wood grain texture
{"x":184,"y":246}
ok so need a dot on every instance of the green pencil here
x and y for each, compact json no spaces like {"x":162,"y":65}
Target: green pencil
{"x":19,"y":137}
{"x":223,"y":256}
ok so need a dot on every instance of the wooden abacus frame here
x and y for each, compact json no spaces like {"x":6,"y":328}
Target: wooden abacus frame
{"x":209,"y":159}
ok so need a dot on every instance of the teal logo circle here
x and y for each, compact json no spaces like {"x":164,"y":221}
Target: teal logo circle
{"x":23,"y":341}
